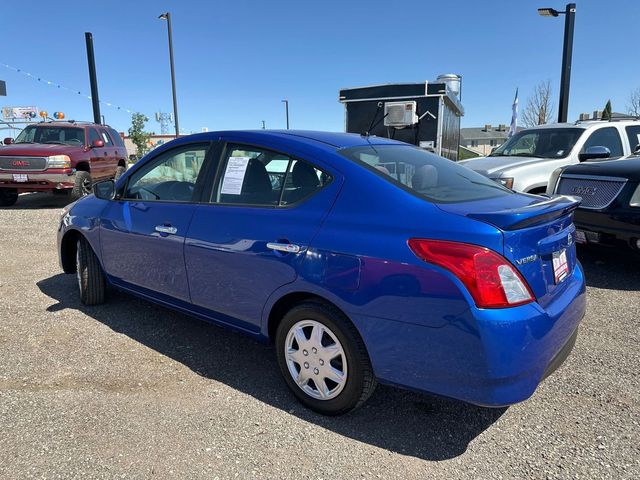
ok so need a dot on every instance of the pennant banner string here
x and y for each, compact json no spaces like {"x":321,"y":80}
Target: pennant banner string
{"x":62,"y":87}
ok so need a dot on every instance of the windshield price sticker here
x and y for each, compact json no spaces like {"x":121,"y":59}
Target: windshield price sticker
{"x":20,"y":177}
{"x":560,"y":266}
{"x":234,"y":175}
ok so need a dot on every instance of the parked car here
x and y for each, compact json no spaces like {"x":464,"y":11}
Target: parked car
{"x":59,"y":157}
{"x":526,"y":161}
{"x":369,"y":260}
{"x":610,"y":210}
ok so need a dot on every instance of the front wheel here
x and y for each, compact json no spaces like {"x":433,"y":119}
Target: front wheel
{"x":8,"y":197}
{"x":91,"y":282}
{"x":82,"y":185}
{"x":323,"y":359}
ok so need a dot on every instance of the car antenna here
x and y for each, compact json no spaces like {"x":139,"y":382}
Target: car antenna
{"x":373,"y":125}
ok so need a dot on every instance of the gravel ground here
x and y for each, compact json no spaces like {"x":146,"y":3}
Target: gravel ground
{"x":132,"y":390}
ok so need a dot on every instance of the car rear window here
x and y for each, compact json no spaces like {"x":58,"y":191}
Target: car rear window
{"x":425,"y":174}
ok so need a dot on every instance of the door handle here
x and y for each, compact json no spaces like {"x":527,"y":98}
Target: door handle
{"x":166,"y":229}
{"x":284,"y":247}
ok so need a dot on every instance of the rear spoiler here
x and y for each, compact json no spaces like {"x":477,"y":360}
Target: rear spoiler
{"x":530,"y":215}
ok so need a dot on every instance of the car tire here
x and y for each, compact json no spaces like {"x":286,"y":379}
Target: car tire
{"x":334,"y":350}
{"x":82,"y":185}
{"x":119,"y":172}
{"x":91,"y":281}
{"x":8,"y":197}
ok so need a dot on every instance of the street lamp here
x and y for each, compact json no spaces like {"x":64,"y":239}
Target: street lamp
{"x":286,"y":107}
{"x":567,"y":53}
{"x":167,"y":16}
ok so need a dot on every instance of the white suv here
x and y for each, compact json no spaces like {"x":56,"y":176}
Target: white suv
{"x":526,"y":161}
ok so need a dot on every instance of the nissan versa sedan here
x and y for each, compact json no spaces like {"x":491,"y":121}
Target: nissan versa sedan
{"x":363,"y":259}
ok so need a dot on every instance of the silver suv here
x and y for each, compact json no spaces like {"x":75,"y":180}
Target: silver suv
{"x":526,"y":161}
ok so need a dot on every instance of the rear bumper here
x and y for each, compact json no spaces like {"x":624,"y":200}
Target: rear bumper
{"x":37,"y":181}
{"x":482,"y":356}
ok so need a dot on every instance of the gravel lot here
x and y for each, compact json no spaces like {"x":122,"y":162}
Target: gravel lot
{"x":131,"y":390}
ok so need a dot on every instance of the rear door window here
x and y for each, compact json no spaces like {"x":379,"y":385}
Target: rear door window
{"x":256,"y":176}
{"x":424,"y":174}
{"x":606,"y":137}
{"x":115,"y":137}
{"x":105,"y":137}
{"x":633,"y":132}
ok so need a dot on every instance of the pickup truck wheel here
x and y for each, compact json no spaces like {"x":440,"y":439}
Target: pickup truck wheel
{"x":82,"y":186}
{"x":119,"y":172}
{"x":91,"y":282}
{"x":8,"y":197}
{"x":323,"y":359}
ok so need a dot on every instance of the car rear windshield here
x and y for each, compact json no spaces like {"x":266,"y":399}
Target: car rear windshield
{"x":424,"y":174}
{"x":52,"y":134}
{"x":540,"y":143}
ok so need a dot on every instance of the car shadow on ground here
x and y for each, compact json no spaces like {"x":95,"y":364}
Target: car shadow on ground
{"x":40,"y":201}
{"x":426,"y":427}
{"x":611,"y":268}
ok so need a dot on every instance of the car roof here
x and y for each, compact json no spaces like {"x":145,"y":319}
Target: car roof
{"x":585,"y":124}
{"x":64,"y":123}
{"x":337,"y":140}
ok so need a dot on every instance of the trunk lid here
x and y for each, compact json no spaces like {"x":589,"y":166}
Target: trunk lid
{"x":535,"y":230}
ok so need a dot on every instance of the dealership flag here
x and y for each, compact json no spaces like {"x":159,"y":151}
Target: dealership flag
{"x":514,"y":117}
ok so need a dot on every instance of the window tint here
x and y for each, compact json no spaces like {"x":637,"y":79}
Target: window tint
{"x":633,"y":132}
{"x":253,"y":176}
{"x":425,"y":174}
{"x":170,"y":177}
{"x":115,"y":137}
{"x":606,"y":137}
{"x":93,"y":135}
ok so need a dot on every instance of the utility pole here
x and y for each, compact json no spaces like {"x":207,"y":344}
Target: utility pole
{"x":91,"y":60}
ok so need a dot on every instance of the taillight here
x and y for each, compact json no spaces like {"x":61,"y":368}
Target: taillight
{"x":491,"y":280}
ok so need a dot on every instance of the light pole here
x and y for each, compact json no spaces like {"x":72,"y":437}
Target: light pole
{"x":567,"y":53}
{"x":286,"y":109}
{"x":167,"y":16}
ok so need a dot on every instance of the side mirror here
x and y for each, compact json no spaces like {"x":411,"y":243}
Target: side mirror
{"x":105,"y":190}
{"x":593,"y":153}
{"x":637,"y":149}
{"x":97,"y":144}
{"x":8,"y":141}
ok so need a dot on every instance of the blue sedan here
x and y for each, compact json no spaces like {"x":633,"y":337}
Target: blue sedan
{"x":363,"y":259}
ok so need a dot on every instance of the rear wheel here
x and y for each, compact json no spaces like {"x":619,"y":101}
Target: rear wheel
{"x":91,"y":282}
{"x":323,"y":359}
{"x":82,"y":186}
{"x":8,"y":197}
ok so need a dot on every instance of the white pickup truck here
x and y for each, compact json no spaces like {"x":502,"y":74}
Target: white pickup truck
{"x":526,"y":161}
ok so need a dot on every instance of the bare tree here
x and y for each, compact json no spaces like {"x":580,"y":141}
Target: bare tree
{"x":634,"y":103}
{"x":539,"y":109}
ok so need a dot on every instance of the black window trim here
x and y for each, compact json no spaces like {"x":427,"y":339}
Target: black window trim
{"x":211,"y":192}
{"x":200,"y":184}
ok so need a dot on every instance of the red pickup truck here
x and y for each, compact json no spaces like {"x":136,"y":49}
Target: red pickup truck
{"x":59,"y":157}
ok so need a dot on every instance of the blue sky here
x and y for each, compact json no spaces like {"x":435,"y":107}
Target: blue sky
{"x":235,"y":61}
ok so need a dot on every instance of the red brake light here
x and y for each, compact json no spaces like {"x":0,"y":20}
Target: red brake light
{"x":491,"y":280}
